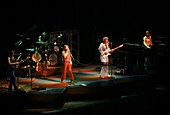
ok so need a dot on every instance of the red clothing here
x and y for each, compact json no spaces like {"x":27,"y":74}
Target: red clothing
{"x":67,"y":66}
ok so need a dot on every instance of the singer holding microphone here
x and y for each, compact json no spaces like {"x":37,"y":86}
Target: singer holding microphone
{"x":67,"y":64}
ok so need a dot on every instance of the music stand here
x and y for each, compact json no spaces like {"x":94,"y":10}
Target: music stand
{"x":29,"y":73}
{"x":29,"y":68}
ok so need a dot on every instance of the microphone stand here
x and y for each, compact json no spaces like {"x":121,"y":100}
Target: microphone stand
{"x":111,"y":60}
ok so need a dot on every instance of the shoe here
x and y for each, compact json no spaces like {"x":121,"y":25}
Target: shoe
{"x":109,"y":76}
{"x":83,"y":84}
{"x":72,"y":82}
{"x":102,"y":77}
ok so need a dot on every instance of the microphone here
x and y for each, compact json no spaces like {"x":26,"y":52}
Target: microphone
{"x":110,"y":42}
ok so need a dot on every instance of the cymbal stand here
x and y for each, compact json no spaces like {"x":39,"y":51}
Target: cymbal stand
{"x":111,"y":66}
{"x":29,"y":74}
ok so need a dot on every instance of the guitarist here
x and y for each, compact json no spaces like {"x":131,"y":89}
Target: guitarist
{"x":13,"y":63}
{"x":105,"y":51}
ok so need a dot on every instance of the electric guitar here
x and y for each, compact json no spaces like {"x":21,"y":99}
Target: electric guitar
{"x":111,"y":50}
{"x":18,"y":63}
{"x":28,"y":57}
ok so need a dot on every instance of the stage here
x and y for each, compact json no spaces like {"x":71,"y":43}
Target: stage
{"x":46,"y":94}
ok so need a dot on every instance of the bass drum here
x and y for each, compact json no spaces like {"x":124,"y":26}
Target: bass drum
{"x":53,"y":59}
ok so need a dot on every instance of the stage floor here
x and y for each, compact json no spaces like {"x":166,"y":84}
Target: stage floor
{"x":84,"y":76}
{"x":46,"y":93}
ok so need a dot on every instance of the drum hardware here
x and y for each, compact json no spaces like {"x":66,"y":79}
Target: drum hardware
{"x":56,"y":49}
{"x":41,"y":42}
{"x":30,"y":49}
{"x":46,"y":62}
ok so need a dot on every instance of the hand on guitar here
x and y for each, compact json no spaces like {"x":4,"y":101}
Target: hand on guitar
{"x":28,"y":57}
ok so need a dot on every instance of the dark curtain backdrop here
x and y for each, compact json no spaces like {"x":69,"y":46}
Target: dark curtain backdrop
{"x":119,"y":20}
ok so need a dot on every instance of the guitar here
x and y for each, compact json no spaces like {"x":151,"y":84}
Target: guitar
{"x":28,"y":57}
{"x":38,"y":67}
{"x":147,"y":42}
{"x":111,"y":50}
{"x":18,"y":63}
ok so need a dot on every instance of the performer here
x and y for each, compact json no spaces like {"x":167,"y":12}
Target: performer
{"x":105,"y":51}
{"x":67,"y":64}
{"x":147,"y":42}
{"x":14,"y":63}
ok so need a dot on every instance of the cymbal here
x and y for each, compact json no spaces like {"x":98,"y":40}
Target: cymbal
{"x":18,"y":53}
{"x":30,"y":49}
{"x":41,"y":42}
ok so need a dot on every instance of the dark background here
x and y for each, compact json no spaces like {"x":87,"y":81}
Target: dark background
{"x":120,"y":20}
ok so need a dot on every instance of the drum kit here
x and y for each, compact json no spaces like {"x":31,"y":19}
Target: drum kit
{"x":46,"y":51}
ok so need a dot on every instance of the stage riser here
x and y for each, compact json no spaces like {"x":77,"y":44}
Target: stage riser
{"x":46,"y":98}
{"x":46,"y":72}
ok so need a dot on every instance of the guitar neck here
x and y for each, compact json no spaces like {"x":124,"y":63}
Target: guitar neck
{"x":105,"y":55}
{"x":24,"y":59}
{"x":116,"y":48}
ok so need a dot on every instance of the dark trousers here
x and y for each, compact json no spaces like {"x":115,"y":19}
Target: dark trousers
{"x":12,"y":82}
